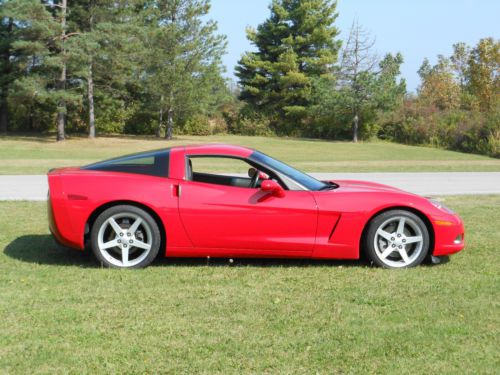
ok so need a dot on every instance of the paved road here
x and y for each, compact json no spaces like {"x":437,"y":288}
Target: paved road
{"x":429,"y":183}
{"x":34,"y":187}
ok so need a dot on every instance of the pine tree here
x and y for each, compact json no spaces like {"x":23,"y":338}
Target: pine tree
{"x":61,"y":82}
{"x":182,"y":58}
{"x":41,"y":57}
{"x":389,"y":91}
{"x":104,"y":45}
{"x":295,"y":45}
{"x":7,"y":74}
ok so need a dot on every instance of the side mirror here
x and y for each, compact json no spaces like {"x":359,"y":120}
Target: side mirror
{"x":263,"y":176}
{"x":271,"y":186}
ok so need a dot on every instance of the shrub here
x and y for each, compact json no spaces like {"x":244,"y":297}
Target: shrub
{"x":196,"y":125}
{"x":462,"y":130}
{"x":218,"y":125}
{"x":112,"y":116}
{"x":252,"y":126}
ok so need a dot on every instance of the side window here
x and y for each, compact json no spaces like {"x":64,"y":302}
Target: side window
{"x":220,"y":171}
{"x":220,"y":165}
{"x":153,"y":163}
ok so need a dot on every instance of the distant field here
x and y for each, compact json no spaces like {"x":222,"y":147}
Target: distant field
{"x":35,"y":155}
{"x":61,"y":313}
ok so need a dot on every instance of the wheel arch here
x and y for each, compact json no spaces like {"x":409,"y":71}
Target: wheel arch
{"x":413,"y":210}
{"x":100,"y":209}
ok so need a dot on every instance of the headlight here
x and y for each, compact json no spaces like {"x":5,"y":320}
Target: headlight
{"x":441,"y":206}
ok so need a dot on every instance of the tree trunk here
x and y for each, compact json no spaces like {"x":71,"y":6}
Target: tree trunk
{"x":4,"y":108}
{"x":31,"y":125}
{"x":61,"y":109}
{"x":170,"y":123}
{"x":355,"y":124}
{"x":90,"y":84}
{"x":61,"y":106}
{"x":160,"y":122}
{"x":90,"y":92}
{"x":170,"y":117}
{"x":4,"y":115}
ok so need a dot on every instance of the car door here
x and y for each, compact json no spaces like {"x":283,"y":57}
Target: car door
{"x":234,"y":217}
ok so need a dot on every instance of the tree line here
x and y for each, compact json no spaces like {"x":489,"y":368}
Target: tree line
{"x":154,"y":67}
{"x":115,"y":66}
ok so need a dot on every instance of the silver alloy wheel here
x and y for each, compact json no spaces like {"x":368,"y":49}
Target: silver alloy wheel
{"x":398,"y":241}
{"x":125,"y":239}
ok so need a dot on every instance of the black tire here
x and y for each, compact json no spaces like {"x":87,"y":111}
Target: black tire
{"x":147,"y":233}
{"x":387,"y":248}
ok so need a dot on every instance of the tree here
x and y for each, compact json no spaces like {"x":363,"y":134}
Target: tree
{"x":295,"y":45}
{"x":357,"y":77}
{"x":41,"y":57}
{"x":439,"y":86}
{"x":61,"y":83}
{"x":83,"y":19}
{"x":460,"y":62}
{"x":484,"y":73}
{"x":182,"y":58}
{"x":364,"y":88}
{"x":104,"y":49}
{"x":7,"y":74}
{"x":389,"y":92}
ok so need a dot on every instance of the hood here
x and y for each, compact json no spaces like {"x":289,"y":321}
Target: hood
{"x":364,"y":186}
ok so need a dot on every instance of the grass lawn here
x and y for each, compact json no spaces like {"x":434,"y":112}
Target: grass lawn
{"x":61,"y":313}
{"x":35,"y":155}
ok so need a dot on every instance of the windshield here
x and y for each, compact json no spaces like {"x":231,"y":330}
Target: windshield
{"x":305,"y":180}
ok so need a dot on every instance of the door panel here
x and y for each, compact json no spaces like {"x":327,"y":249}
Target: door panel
{"x":221,"y":179}
{"x":217,"y":216}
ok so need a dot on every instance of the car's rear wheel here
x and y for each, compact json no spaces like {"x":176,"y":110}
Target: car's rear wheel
{"x":397,"y":239}
{"x":125,"y":237}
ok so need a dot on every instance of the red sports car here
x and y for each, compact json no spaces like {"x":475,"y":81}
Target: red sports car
{"x":193,"y":201}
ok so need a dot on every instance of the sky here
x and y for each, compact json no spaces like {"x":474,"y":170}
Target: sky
{"x":416,"y":28}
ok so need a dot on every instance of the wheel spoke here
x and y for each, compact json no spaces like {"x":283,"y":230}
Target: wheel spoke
{"x":401,"y":226}
{"x":133,"y":227}
{"x":115,"y":225}
{"x":386,"y":252}
{"x":413,"y":239}
{"x":141,"y":245}
{"x":384,"y":234}
{"x":125,"y":256}
{"x":109,"y":244}
{"x":404,"y":255}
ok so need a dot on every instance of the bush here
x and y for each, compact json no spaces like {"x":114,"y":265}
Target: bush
{"x":461,"y":130}
{"x":196,"y":125}
{"x":248,"y":122}
{"x":113,"y":116}
{"x":218,"y":125}
{"x":252,"y":126}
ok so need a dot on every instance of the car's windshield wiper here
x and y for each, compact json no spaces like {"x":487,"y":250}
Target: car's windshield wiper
{"x":329,"y":185}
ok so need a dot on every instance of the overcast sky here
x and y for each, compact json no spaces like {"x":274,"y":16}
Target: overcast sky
{"x":416,"y":28}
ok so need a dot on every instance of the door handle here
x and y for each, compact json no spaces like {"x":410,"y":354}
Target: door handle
{"x":177,"y":190}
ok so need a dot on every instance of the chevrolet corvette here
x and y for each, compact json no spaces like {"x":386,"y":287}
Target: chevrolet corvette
{"x":236,"y":202}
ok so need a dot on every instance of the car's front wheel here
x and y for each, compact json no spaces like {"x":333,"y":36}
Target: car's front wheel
{"x":125,"y":237}
{"x":397,"y":239}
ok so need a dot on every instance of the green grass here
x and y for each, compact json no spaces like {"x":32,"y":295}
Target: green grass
{"x":35,"y":155}
{"x":61,"y":313}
